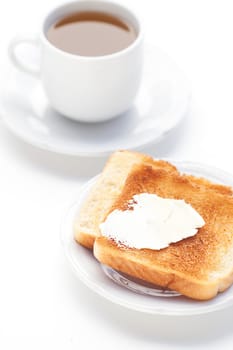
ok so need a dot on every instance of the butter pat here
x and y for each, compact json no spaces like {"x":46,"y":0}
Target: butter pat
{"x":152,"y":222}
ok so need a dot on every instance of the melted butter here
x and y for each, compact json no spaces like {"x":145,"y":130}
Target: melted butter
{"x":152,"y":222}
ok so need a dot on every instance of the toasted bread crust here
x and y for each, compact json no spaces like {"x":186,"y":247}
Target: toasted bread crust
{"x":126,"y":261}
{"x":225,"y":190}
{"x":198,"y":266}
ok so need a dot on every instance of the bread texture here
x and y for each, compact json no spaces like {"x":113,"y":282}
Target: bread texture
{"x":198,"y":267}
{"x":106,"y":190}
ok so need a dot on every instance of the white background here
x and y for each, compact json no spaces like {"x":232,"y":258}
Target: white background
{"x":42,"y":304}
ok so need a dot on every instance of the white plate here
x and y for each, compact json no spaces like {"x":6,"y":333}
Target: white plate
{"x":160,"y":105}
{"x":88,"y":270}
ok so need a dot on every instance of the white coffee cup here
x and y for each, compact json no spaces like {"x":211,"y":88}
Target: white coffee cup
{"x":86,"y":88}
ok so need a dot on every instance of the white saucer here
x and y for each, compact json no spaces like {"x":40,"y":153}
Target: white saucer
{"x":88,"y":270}
{"x":160,"y":105}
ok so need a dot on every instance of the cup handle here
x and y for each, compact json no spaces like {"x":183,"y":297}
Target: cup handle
{"x":17,"y":61}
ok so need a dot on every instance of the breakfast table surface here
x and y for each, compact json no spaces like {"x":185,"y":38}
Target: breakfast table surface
{"x":42,"y":303}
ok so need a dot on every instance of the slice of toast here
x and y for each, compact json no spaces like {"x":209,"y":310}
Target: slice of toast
{"x":198,"y":267}
{"x":109,"y":186}
{"x":105,"y":191}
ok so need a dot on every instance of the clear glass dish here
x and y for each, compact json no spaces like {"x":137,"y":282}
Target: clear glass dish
{"x":128,"y":292}
{"x":137,"y":285}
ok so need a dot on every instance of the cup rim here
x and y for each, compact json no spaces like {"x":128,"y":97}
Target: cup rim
{"x":122,"y":52}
